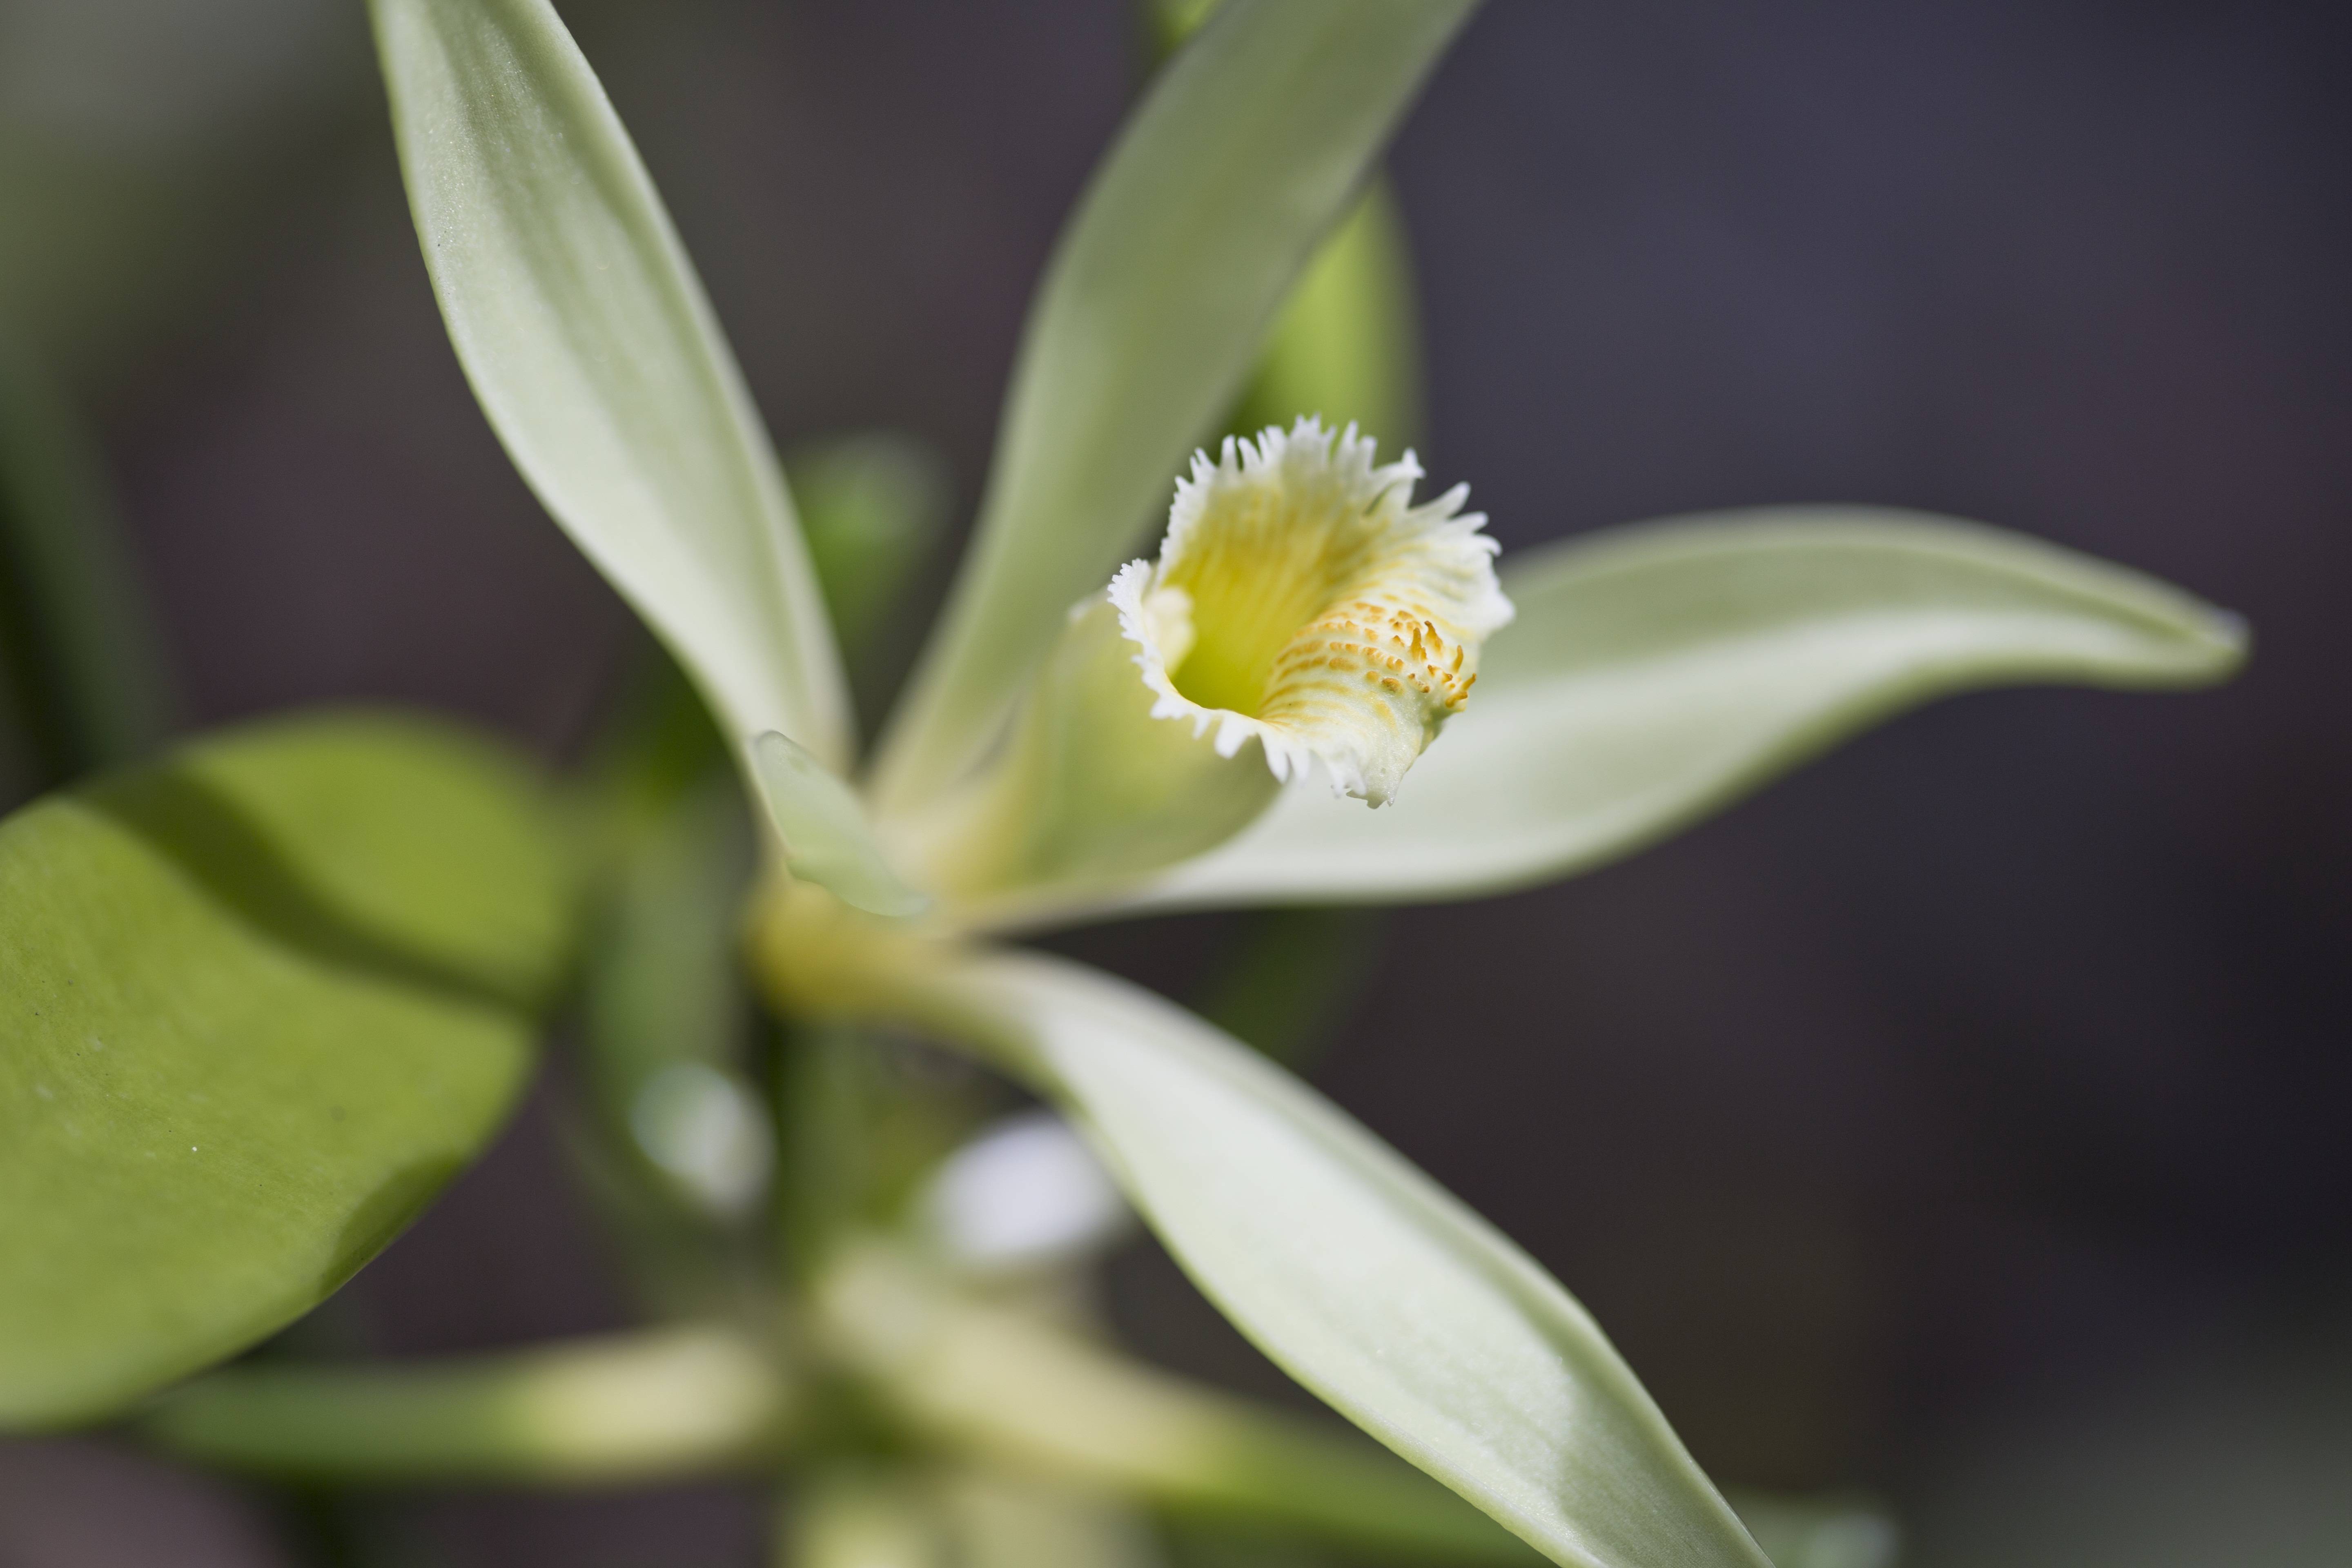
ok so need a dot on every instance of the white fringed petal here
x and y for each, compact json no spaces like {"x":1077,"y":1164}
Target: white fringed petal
{"x":1301,"y":599}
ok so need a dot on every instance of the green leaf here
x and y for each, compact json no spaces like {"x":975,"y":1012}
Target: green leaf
{"x":823,"y":829}
{"x":1351,"y":1269}
{"x":579,"y":320}
{"x":1252,"y":143}
{"x":262,"y":1000}
{"x":1656,"y":674}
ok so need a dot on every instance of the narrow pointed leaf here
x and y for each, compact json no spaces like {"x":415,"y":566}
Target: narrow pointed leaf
{"x":1252,"y":143}
{"x":586,"y":335}
{"x":261,"y":1001}
{"x":1656,"y":674}
{"x":1360,"y":1276}
{"x":825,"y":832}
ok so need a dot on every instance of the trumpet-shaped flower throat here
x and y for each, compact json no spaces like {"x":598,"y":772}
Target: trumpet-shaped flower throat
{"x":1302,"y":599}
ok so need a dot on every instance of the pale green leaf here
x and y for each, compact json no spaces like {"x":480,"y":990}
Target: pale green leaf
{"x":823,"y":830}
{"x":1252,"y":143}
{"x":1354,"y":1271}
{"x":580,"y":321}
{"x":1657,"y":673}
{"x":262,"y":1000}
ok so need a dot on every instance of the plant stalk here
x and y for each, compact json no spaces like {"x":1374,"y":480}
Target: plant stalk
{"x":629,"y":1408}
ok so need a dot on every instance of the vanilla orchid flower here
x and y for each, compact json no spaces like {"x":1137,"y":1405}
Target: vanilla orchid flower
{"x":1086,"y":738}
{"x":1302,"y":601}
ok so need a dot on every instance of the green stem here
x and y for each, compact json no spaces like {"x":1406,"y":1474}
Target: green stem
{"x":1001,"y":1385}
{"x":860,"y":1516}
{"x":1290,"y":973}
{"x":76,"y":633}
{"x":628,"y":1408}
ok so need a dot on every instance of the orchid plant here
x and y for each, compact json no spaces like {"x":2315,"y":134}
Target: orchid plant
{"x":271,"y":991}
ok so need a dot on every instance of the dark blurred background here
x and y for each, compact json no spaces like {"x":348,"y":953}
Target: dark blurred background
{"x":1963,"y":1120}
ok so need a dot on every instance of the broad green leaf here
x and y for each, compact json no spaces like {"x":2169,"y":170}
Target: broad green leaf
{"x":1252,"y":143}
{"x":1655,"y":674}
{"x":823,"y":830}
{"x":262,"y":1000}
{"x":1352,"y":1270}
{"x":581,"y":323}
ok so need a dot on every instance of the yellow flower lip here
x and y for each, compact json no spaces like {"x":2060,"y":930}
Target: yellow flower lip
{"x":1301,"y":600}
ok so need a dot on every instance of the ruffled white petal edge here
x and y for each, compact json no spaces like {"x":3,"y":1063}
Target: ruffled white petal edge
{"x":1436,"y":562}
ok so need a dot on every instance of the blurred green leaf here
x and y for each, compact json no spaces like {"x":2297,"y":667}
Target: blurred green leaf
{"x":1250,"y":146}
{"x":1007,"y":1387}
{"x":586,"y":335}
{"x":1347,"y":346}
{"x":2230,"y":1446}
{"x":1801,"y":1531}
{"x":266,"y":997}
{"x":78,"y":634}
{"x":858,"y":1516}
{"x":1351,"y":1269}
{"x":873,"y":505}
{"x":1656,"y":674}
{"x":658,"y":749}
{"x":1006,"y":1521}
{"x":1288,"y":976}
{"x":1195,"y":1545}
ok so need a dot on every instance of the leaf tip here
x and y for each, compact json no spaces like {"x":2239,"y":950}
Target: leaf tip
{"x":823,"y":832}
